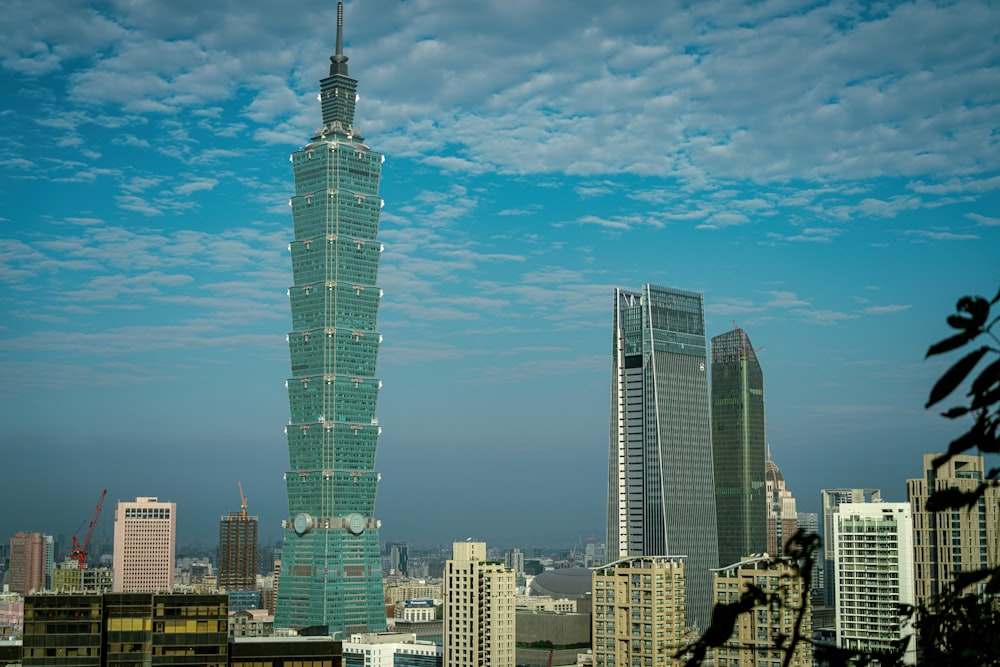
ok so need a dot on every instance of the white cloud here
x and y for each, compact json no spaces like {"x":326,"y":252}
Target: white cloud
{"x":885,"y":310}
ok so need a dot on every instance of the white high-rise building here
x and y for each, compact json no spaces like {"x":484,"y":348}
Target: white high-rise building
{"x":830,"y":500}
{"x":478,"y":609}
{"x":145,"y":534}
{"x":872,"y":553}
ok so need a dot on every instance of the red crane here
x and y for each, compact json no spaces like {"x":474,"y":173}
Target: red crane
{"x":80,"y":550}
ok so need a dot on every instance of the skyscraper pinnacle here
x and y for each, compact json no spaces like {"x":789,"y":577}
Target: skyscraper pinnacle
{"x":338,"y":61}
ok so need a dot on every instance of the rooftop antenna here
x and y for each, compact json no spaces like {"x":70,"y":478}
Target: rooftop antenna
{"x":338,"y":61}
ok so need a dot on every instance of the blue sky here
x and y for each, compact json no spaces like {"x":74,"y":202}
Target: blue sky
{"x":827,"y":173}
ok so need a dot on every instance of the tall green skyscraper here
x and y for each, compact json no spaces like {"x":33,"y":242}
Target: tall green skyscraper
{"x":661,"y":497}
{"x":331,"y":570}
{"x":738,"y":445}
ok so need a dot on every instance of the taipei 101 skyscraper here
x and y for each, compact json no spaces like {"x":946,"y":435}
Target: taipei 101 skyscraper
{"x":330,"y":568}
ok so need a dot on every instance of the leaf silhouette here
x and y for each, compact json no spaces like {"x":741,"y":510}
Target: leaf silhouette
{"x":948,"y":344}
{"x":945,"y":499}
{"x":956,"y":411}
{"x":977,"y":307}
{"x":987,"y":378}
{"x":954,"y":376}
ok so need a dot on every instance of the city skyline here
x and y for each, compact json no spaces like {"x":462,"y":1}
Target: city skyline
{"x":826,"y":175}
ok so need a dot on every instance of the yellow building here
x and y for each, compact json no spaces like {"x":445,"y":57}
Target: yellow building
{"x":753,"y":641}
{"x":638,"y":615}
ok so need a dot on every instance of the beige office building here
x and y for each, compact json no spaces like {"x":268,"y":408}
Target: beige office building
{"x":952,"y":541}
{"x":754,"y":638}
{"x":145,"y":533}
{"x":479,"y":622}
{"x":638,"y":616}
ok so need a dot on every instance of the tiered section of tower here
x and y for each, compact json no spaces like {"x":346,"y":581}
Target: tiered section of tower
{"x":331,"y":570}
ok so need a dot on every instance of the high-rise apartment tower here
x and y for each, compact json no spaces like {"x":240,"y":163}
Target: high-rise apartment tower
{"x":331,"y":567}
{"x":872,"y":552}
{"x":753,"y":638}
{"x":661,"y":489}
{"x":145,"y":538}
{"x":638,"y":616}
{"x":738,"y":444}
{"x":830,"y":500}
{"x":478,"y":609}
{"x":960,"y":540}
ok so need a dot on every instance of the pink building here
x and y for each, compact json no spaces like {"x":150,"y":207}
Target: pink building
{"x":145,"y":533}
{"x":27,"y":563}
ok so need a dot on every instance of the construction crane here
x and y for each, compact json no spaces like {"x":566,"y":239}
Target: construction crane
{"x":243,"y":501}
{"x":80,"y":550}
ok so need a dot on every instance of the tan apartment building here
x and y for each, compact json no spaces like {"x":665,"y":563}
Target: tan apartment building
{"x":479,"y":621}
{"x":638,"y":615}
{"x":957,"y":540}
{"x":753,"y":640}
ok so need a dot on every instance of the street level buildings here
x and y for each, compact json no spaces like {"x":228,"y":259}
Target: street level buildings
{"x":238,"y":551}
{"x":125,"y":629}
{"x":28,"y":552}
{"x":872,"y":551}
{"x":391,"y":650}
{"x":331,"y":566}
{"x":952,"y":541}
{"x":738,"y":445}
{"x":479,"y":604}
{"x":755,"y":638}
{"x":639,"y":612}
{"x":145,"y":543}
{"x":661,"y":489}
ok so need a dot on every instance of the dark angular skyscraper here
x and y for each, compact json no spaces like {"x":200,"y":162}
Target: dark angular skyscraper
{"x":738,"y":445}
{"x":331,"y":570}
{"x":661,"y":494}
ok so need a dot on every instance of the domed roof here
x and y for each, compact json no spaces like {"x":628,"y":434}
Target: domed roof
{"x":572,"y":583}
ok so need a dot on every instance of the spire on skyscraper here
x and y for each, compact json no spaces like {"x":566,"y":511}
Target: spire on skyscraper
{"x":338,"y":61}
{"x":338,"y":92}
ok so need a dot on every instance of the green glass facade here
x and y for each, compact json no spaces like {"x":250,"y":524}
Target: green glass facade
{"x":738,"y":445}
{"x":331,"y":569}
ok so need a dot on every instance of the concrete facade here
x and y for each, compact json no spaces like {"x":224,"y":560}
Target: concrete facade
{"x":145,"y":534}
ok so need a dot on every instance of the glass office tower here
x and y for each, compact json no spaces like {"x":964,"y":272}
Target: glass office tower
{"x":331,"y":570}
{"x":661,"y":493}
{"x":738,"y":445}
